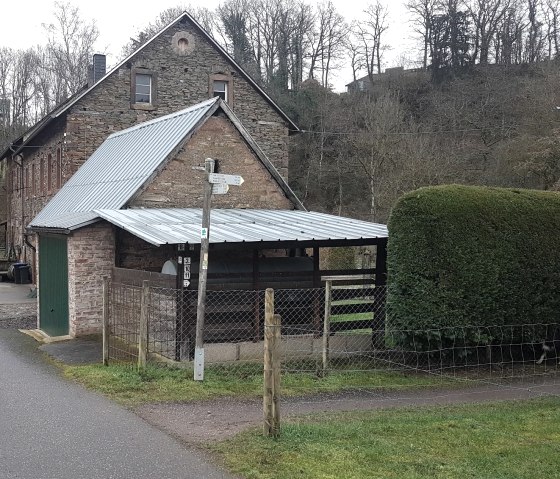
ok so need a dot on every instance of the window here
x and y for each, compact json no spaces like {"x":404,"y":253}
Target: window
{"x":33,"y":190}
{"x":58,"y":168}
{"x":27,"y":182}
{"x":143,"y":89}
{"x":221,"y":89}
{"x":221,"y":85}
{"x":143,"y":93}
{"x":49,"y":172}
{"x":42,"y":175}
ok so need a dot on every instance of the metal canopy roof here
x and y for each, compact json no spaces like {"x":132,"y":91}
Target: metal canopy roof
{"x":179,"y":226}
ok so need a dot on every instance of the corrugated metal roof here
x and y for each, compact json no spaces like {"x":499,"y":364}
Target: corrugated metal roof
{"x":120,"y":166}
{"x":179,"y":226}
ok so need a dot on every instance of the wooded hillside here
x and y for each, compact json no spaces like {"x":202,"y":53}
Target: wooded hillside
{"x":490,"y":125}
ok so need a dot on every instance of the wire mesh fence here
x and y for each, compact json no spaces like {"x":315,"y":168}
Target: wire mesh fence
{"x":334,"y":330}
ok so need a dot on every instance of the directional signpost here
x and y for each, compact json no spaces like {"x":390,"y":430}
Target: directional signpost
{"x":217,"y":178}
{"x":217,"y":184}
{"x":220,"y":188}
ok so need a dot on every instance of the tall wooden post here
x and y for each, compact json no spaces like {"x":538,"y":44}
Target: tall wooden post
{"x":271,"y":391}
{"x":106,"y":326}
{"x":209,"y":165}
{"x":143,"y":327}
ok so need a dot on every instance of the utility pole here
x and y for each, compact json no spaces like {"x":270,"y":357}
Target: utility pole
{"x":218,"y":184}
{"x":209,"y":165}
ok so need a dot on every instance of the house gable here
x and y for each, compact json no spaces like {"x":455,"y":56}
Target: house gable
{"x":179,"y":78}
{"x":180,"y":185}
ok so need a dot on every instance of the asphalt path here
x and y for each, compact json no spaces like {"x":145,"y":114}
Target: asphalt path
{"x":54,"y":429}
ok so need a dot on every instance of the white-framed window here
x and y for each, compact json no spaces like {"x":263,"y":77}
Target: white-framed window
{"x":220,"y":88}
{"x":143,"y":88}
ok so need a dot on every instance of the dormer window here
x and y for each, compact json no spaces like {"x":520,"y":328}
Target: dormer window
{"x":143,"y":89}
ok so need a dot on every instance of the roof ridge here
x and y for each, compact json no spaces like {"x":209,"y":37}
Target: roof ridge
{"x":163,"y":118}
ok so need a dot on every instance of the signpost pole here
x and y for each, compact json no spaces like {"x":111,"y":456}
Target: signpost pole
{"x":209,"y":164}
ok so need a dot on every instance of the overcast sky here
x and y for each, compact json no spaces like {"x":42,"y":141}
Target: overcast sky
{"x":118,"y":20}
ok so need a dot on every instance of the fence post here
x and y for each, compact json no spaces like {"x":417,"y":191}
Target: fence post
{"x":143,"y":327}
{"x":327,"y":327}
{"x":271,"y":392}
{"x":106,"y":313}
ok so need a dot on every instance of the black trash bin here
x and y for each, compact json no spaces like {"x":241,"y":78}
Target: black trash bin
{"x":22,"y":273}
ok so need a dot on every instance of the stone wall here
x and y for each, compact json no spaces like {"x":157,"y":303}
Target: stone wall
{"x":178,"y":185}
{"x":91,"y":257}
{"x":183,"y":78}
{"x":31,"y":184}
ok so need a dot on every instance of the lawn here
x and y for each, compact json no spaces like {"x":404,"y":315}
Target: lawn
{"x":509,"y":440}
{"x":126,"y":385}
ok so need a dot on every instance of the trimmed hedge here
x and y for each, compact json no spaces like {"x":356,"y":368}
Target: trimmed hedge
{"x":474,"y":256}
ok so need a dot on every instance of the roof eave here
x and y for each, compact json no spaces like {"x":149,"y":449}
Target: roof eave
{"x":68,"y":230}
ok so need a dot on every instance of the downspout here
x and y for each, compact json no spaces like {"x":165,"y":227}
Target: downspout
{"x":14,"y":159}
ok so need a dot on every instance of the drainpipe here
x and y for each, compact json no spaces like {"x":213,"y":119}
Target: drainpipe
{"x":15,"y":157}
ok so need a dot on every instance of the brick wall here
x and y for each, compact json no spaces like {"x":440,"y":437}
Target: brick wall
{"x":91,"y":257}
{"x":179,"y":186}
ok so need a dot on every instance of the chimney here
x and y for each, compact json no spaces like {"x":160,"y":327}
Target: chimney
{"x":98,"y":69}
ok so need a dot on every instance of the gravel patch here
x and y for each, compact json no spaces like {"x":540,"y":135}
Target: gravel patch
{"x":18,"y":316}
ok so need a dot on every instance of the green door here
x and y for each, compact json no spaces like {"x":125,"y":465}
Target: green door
{"x":53,"y":285}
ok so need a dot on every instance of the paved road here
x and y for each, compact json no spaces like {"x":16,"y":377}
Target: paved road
{"x":53,"y":429}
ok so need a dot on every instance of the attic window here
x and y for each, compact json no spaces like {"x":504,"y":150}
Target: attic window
{"x":143,"y":92}
{"x":221,"y":89}
{"x":143,"y":89}
{"x":221,"y":85}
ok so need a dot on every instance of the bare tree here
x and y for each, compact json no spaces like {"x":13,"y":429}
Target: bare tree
{"x":486,"y":16}
{"x":535,"y":40}
{"x":552,"y":18}
{"x":327,"y":40}
{"x":370,"y":32}
{"x":70,"y":47}
{"x":422,"y":13}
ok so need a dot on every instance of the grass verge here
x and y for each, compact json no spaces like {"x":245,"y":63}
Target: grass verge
{"x":126,"y":385}
{"x":509,"y":440}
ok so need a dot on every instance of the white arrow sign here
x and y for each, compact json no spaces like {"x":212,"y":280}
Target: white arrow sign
{"x":220,"y":188}
{"x":227,"y":179}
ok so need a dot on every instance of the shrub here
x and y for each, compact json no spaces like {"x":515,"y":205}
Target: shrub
{"x":460,"y":256}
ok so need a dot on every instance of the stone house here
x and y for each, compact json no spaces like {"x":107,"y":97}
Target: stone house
{"x":151,"y":168}
{"x":180,"y":66}
{"x":136,"y":204}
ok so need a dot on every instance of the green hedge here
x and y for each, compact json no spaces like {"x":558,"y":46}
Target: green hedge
{"x":461,"y":256}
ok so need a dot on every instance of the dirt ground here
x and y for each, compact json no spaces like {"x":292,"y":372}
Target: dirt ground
{"x":203,"y":422}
